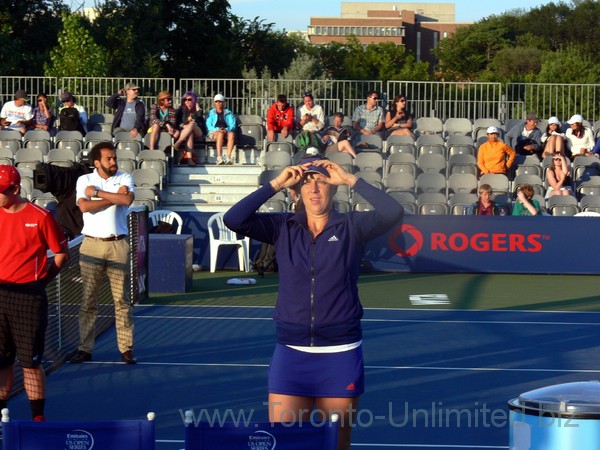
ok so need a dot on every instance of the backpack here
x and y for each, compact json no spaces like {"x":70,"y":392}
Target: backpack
{"x":69,"y":119}
{"x":308,"y":139}
{"x":265,"y":259}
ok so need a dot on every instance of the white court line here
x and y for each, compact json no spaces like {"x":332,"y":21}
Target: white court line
{"x":494,"y":322}
{"x":369,"y":367}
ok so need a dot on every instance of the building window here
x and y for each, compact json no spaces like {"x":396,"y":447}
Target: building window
{"x":329,"y":31}
{"x":370,"y":30}
{"x":394,"y":31}
{"x":376,"y":30}
{"x":347,"y":31}
{"x":335,"y":31}
{"x":353,"y":30}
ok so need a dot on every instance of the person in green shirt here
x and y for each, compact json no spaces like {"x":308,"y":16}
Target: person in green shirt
{"x":525,"y":204}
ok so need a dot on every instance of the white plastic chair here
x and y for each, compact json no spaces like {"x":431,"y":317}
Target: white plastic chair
{"x":220,"y":235}
{"x":164,"y":215}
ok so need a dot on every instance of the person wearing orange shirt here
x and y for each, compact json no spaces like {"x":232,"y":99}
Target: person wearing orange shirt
{"x":494,"y":156}
{"x":280,"y":119}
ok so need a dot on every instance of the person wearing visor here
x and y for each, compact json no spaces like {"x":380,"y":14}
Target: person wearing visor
{"x":29,"y":231}
{"x":317,"y":365}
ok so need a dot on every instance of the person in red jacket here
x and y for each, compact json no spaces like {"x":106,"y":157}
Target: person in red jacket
{"x":280,"y":119}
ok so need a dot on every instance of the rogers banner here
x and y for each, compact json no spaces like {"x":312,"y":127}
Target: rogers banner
{"x":566,"y":245}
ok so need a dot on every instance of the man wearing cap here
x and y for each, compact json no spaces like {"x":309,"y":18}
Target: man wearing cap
{"x":28,"y":231}
{"x":310,"y":117}
{"x":68,"y":101}
{"x":220,"y":125}
{"x":104,"y":197}
{"x":280,"y":119}
{"x":526,"y":138}
{"x":130,"y":111}
{"x":17,"y":114}
{"x":494,"y":156}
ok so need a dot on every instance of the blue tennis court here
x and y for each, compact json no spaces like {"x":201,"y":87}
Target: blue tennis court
{"x":436,"y":378}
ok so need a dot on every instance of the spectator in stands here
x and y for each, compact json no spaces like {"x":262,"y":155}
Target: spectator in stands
{"x":310,"y":117}
{"x":398,"y":119}
{"x":162,"y":118}
{"x":104,"y":197}
{"x":221,"y":124}
{"x":526,"y":138}
{"x":485,"y":206}
{"x":43,"y":118}
{"x":558,"y":176}
{"x":580,"y":140}
{"x":69,"y":104}
{"x":190,"y":118}
{"x":280,"y":119}
{"x":494,"y":156}
{"x":29,"y":232}
{"x":368,"y":118}
{"x":130,"y":111}
{"x":526,"y":205}
{"x":553,"y":140}
{"x":337,"y":137}
{"x":17,"y":114}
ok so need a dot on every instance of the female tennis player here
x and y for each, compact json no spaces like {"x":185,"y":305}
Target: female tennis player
{"x":317,"y":366}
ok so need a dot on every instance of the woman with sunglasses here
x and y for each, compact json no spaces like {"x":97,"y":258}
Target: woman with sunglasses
{"x":317,"y":366}
{"x":162,"y":118}
{"x":398,"y":119}
{"x":42,"y":114}
{"x":558,"y":176}
{"x":190,"y":118}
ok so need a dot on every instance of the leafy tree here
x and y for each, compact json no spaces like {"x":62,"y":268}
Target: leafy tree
{"x":519,"y":64}
{"x":77,"y":54}
{"x":572,"y":64}
{"x":303,"y":67}
{"x":28,"y":31}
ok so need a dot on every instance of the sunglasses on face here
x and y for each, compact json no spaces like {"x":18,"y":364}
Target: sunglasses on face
{"x":374,"y":98}
{"x":188,"y":99}
{"x":402,"y":100}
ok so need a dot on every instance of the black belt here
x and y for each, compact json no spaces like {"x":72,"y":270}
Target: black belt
{"x":106,"y":239}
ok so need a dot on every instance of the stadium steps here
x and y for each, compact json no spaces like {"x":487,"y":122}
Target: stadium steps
{"x":208,"y":188}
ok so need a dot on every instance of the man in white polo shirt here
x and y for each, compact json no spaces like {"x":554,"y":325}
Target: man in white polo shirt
{"x":17,"y":115}
{"x":104,"y":197}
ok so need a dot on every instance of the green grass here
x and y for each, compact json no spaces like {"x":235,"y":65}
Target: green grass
{"x":392,"y":290}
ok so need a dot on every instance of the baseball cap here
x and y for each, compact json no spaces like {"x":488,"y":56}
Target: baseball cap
{"x":532,"y":116}
{"x":554,"y":120}
{"x":131,"y":86}
{"x":9,"y":176}
{"x":312,"y":151}
{"x":66,"y":96}
{"x":20,"y":93}
{"x":577,"y":118}
{"x":492,"y":130}
{"x":315,"y":169}
{"x":219,"y":98}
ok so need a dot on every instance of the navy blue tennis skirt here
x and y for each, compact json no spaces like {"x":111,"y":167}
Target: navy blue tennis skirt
{"x":336,"y":375}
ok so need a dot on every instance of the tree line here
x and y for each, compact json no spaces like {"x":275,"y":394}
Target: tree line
{"x":553,"y":43}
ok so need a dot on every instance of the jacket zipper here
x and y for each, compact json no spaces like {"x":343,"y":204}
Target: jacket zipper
{"x":312,"y":294}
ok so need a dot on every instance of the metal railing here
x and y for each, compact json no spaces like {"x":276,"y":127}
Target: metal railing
{"x":426,"y":98}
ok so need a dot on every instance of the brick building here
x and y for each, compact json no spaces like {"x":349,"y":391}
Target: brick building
{"x":417,"y":26}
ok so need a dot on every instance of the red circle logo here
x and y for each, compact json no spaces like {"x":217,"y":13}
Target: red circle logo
{"x":410,"y":242}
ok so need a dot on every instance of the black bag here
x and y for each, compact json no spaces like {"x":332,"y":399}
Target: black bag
{"x":163,"y":228}
{"x":265,"y":260}
{"x":69,"y":119}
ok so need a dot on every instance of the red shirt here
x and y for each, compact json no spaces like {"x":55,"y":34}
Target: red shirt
{"x":25,"y":238}
{"x":277,"y":120}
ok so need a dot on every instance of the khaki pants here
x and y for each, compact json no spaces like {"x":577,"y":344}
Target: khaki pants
{"x":97,"y":258}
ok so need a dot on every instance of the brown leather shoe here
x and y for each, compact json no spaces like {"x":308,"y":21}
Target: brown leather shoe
{"x":80,"y":357}
{"x":128,"y":358}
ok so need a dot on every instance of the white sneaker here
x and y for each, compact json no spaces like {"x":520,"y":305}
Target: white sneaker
{"x":229,"y":161}
{"x":220,"y":161}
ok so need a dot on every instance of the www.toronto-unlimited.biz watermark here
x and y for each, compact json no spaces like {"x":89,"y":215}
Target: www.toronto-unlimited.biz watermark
{"x":436,"y":415}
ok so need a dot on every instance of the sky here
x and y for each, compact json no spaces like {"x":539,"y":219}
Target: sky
{"x":295,"y":15}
